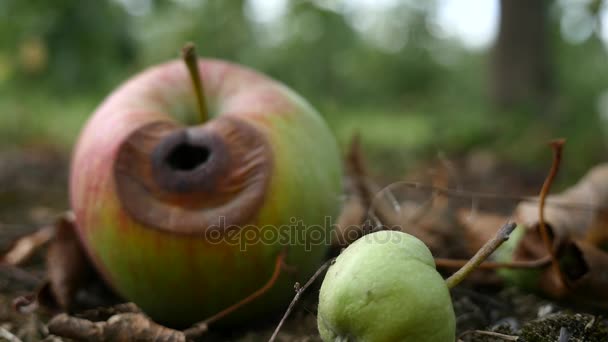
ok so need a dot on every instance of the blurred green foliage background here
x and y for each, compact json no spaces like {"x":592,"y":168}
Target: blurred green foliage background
{"x":387,"y":71}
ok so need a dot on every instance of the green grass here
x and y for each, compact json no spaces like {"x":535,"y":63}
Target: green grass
{"x":393,"y":139}
{"x":36,"y":118}
{"x":382,"y":129}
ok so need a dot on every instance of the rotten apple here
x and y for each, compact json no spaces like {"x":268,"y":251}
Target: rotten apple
{"x":187,"y":220}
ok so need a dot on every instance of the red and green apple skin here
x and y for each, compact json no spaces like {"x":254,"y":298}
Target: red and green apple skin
{"x":179,"y":276}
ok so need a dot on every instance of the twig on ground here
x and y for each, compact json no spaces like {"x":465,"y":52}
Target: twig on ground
{"x":501,"y":236}
{"x":299,"y":291}
{"x":8,"y":336}
{"x":489,"y":333}
{"x":456,"y":193}
{"x":121,"y":327}
{"x":23,"y":248}
{"x":128,"y":323}
{"x":492,"y":265}
{"x":103,"y":313}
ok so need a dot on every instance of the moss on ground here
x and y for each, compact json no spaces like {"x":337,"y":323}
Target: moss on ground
{"x":580,"y":327}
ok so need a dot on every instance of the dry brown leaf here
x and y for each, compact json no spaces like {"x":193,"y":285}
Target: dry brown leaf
{"x":362,"y":201}
{"x":586,"y":271}
{"x":436,"y":225}
{"x":582,"y":276}
{"x":369,"y":207}
{"x":580,"y":212}
{"x":478,"y":227}
{"x":584,"y":268}
{"x":348,"y":226}
{"x":22,"y":249}
{"x":367,"y":190}
{"x":68,"y":267}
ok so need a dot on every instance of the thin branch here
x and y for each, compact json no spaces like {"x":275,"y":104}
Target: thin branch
{"x":492,"y":265}
{"x":501,"y":236}
{"x":191,"y":59}
{"x":299,"y":291}
{"x":490,"y":333}
{"x":201,"y":327}
{"x":455,"y":193}
{"x":103,"y":313}
{"x":22,"y":249}
{"x":120,"y":327}
{"x":8,"y":336}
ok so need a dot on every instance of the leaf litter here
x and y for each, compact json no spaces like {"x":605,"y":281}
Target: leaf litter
{"x":453,"y":222}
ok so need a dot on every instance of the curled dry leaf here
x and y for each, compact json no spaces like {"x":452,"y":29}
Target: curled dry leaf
{"x":68,"y":268}
{"x":348,"y":226}
{"x":580,"y":212}
{"x":581,"y":277}
{"x":22,"y":249}
{"x":578,"y":227}
{"x":585,"y":268}
{"x":577,"y":224}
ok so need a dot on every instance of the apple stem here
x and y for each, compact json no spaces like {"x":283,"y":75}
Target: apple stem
{"x":501,"y":236}
{"x":191,"y":59}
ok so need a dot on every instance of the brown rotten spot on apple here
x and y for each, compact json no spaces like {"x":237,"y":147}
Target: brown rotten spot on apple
{"x":184,"y":179}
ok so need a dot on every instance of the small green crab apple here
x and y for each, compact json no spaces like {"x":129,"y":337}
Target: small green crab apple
{"x":160,"y":204}
{"x":384,"y":287}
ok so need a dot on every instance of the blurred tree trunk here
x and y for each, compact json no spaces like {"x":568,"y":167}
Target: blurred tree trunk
{"x":521,"y":68}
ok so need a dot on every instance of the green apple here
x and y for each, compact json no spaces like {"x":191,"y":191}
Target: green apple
{"x":385,"y":287}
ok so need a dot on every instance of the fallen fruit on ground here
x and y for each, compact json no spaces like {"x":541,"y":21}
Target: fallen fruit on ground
{"x":384,"y":287}
{"x":186,"y":221}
